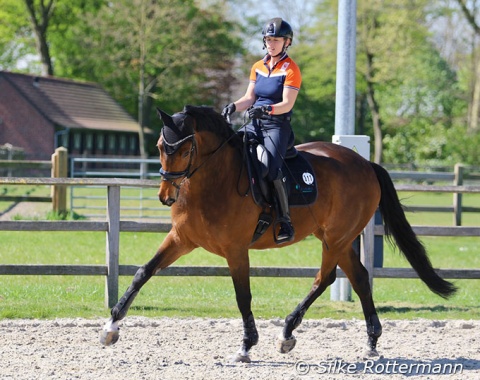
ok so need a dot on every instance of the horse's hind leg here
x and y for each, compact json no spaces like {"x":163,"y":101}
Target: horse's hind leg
{"x":325,"y":277}
{"x":358,"y":276}
{"x":170,"y":250}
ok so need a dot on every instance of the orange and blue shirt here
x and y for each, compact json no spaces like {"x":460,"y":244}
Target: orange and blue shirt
{"x":269,"y":84}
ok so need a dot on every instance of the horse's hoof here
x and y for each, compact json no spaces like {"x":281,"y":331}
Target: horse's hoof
{"x":241,"y":358}
{"x":107,"y":338}
{"x":110,"y":333}
{"x":286,"y":345}
{"x":370,"y":353}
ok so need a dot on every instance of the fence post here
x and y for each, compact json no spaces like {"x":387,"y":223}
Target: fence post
{"x":367,"y":249}
{"x":457,"y":197}
{"x":113,"y":244}
{"x":9,"y":157}
{"x":59,"y":170}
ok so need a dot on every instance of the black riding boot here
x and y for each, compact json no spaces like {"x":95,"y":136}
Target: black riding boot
{"x":286,"y":229}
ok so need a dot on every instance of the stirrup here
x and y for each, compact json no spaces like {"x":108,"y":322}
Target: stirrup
{"x":285,"y":234}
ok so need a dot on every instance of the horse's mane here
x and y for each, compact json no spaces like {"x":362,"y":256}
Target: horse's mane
{"x":207,"y":119}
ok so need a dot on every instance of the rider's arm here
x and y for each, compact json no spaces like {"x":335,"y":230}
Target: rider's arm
{"x":287,"y":103}
{"x":246,"y":100}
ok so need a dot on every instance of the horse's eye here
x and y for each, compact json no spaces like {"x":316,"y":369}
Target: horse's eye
{"x":185,"y":154}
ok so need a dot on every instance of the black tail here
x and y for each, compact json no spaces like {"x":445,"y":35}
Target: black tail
{"x":396,"y":225}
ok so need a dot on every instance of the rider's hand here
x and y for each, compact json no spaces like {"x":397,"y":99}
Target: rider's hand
{"x":228,"y":110}
{"x":257,"y":112}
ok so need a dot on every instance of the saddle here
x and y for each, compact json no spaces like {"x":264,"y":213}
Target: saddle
{"x":300,"y":179}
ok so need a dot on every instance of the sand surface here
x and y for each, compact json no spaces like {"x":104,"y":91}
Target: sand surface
{"x":168,"y":348}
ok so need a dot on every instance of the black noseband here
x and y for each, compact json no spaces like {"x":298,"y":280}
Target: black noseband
{"x":171,"y":176}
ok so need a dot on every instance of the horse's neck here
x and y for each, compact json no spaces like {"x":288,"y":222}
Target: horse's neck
{"x":222,"y":169}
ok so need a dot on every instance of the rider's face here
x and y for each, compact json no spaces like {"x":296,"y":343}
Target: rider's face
{"x":275,"y":45}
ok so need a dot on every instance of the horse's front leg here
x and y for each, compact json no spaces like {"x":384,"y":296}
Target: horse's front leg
{"x":169,"y":252}
{"x":240,"y":272}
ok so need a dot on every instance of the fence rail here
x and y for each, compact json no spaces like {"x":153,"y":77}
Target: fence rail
{"x":23,"y":164}
{"x":113,"y":226}
{"x":457,"y":178}
{"x":98,"y":167}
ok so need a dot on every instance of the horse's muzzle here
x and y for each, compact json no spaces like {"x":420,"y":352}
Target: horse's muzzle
{"x":167,"y":202}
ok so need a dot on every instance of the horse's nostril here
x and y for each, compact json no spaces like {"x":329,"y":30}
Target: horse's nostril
{"x":167,"y":202}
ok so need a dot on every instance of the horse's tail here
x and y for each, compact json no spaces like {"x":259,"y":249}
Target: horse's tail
{"x":397,"y":226}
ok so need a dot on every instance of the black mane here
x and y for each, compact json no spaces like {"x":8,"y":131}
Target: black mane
{"x":210,"y":120}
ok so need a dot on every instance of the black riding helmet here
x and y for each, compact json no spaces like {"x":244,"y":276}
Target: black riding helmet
{"x":276,"y":27}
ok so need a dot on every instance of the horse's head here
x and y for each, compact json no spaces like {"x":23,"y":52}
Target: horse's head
{"x":189,"y":140}
{"x":177,"y":147}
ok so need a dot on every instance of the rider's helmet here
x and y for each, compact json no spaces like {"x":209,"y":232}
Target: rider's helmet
{"x":276,"y":27}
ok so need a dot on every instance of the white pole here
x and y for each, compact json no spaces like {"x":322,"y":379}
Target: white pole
{"x":346,"y":54}
{"x":345,"y":99}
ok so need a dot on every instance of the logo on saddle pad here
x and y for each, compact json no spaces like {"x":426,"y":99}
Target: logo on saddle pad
{"x":308,"y":178}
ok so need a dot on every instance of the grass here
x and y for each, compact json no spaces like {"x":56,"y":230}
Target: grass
{"x":75,"y":296}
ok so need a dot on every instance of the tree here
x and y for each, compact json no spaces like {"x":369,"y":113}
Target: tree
{"x":40,"y":13}
{"x":33,"y":33}
{"x":469,"y":10}
{"x":14,"y":34}
{"x":167,"y":51}
{"x":315,"y":54}
{"x":421,"y":110}
{"x":389,"y":32}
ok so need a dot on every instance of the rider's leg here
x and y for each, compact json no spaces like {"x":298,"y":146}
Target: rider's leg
{"x":286,"y":231}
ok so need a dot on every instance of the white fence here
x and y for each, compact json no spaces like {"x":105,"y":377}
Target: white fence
{"x":113,"y":226}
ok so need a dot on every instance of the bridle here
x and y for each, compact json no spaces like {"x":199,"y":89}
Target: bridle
{"x":187,"y":173}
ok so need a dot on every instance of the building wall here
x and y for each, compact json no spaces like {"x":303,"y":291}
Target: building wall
{"x":23,"y":126}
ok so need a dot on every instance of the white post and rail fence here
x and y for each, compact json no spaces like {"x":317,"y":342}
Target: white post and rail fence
{"x":113,"y":226}
{"x":59,"y":169}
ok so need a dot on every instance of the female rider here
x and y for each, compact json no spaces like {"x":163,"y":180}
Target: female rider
{"x":271,"y":93}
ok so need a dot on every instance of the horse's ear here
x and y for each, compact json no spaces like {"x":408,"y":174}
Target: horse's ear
{"x":166,"y":118}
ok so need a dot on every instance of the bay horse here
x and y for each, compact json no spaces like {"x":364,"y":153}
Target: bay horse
{"x":205,"y":183}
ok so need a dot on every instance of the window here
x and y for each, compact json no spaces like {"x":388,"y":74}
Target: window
{"x":77,"y":140}
{"x":111,"y":144}
{"x":88,"y":141}
{"x":123,"y":144}
{"x":100,"y":142}
{"x":133,"y":144}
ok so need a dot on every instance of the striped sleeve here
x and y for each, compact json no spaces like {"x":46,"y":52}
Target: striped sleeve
{"x":294,"y":77}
